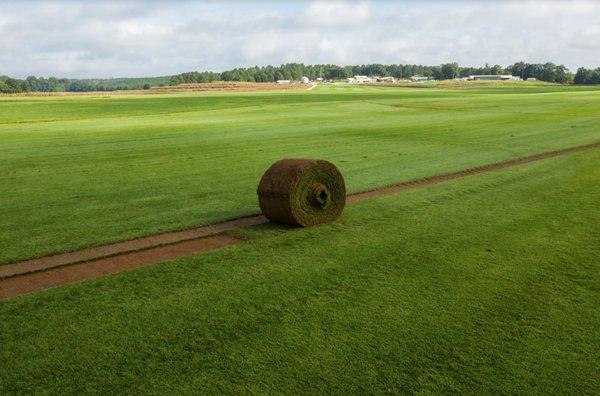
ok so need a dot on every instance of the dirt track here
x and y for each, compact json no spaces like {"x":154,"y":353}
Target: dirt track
{"x":466,"y":172}
{"x":229,"y":86}
{"x":37,"y":274}
{"x":44,"y":263}
{"x":28,"y":283}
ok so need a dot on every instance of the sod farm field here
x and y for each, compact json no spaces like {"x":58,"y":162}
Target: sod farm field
{"x":484,"y":284}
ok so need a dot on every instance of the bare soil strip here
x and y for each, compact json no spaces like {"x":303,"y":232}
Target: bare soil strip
{"x":223,"y":86}
{"x":227,"y":86}
{"x":37,"y":274}
{"x":15,"y":286}
{"x":44,"y":263}
{"x":466,"y":172}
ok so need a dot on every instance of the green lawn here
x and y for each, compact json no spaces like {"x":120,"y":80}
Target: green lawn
{"x":483,"y":285}
{"x":83,"y":171}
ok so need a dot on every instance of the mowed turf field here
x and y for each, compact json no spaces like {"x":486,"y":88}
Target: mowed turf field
{"x":486,"y":284}
{"x":83,"y":171}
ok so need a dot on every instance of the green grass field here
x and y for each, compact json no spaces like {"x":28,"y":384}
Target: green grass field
{"x":83,"y":171}
{"x":486,"y":284}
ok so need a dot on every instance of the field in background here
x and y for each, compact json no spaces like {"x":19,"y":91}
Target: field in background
{"x":229,"y":86}
{"x":477,"y":84}
{"x":487,"y":284}
{"x":83,"y":171}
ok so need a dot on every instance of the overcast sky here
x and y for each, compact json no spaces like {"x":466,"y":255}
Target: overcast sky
{"x":150,"y":38}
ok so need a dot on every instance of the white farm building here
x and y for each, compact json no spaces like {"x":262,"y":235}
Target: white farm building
{"x":418,"y":78}
{"x":361,"y":80}
{"x":494,"y":77}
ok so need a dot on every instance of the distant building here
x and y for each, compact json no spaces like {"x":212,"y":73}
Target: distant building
{"x":531,"y":79}
{"x":320,"y":79}
{"x":388,"y":79}
{"x":418,"y":78}
{"x":361,"y":80}
{"x":283,"y":81}
{"x":305,"y":80}
{"x":493,"y":77}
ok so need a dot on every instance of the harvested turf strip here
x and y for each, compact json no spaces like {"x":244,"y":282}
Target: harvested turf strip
{"x":467,"y":172}
{"x":112,"y":249}
{"x":302,"y":192}
{"x":28,"y":283}
{"x":182,"y":243}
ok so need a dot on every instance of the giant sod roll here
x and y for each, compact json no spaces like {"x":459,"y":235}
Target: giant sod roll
{"x":302,"y":192}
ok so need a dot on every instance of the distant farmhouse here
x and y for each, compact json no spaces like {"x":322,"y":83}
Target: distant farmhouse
{"x":283,"y":81}
{"x":305,"y":80}
{"x":419,"y":78}
{"x":370,"y":80}
{"x":361,"y":80}
{"x":493,"y":77}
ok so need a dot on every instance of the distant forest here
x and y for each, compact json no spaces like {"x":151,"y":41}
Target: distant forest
{"x":53,"y":84}
{"x":294,"y":71}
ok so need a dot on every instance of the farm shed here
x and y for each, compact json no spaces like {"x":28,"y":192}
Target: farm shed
{"x":493,"y":77}
{"x":361,"y":80}
{"x":419,"y":78}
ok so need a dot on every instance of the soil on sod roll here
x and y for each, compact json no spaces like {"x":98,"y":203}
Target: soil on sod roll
{"x":302,"y":192}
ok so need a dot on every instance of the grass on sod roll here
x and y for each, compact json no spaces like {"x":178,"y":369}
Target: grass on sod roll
{"x":302,"y":192}
{"x":82,"y":171}
{"x":486,"y":284}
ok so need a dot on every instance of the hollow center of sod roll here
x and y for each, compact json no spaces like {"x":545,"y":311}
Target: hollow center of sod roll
{"x":320,"y":196}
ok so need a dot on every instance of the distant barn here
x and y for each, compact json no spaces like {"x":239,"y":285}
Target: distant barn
{"x":361,"y":80}
{"x":493,"y":77}
{"x":418,"y":78}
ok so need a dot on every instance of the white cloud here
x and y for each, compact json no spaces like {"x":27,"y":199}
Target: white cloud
{"x":337,"y":13}
{"x":135,"y":38}
{"x":467,"y":40}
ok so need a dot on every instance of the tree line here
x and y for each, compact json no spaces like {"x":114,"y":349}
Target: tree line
{"x":587,"y":76}
{"x":53,"y":84}
{"x":294,"y":71}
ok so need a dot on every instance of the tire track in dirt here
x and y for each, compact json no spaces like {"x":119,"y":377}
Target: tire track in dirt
{"x":45,"y":272}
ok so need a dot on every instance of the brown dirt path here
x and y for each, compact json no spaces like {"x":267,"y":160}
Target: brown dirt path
{"x":466,"y":172}
{"x":37,"y":274}
{"x":223,"y":86}
{"x":18,"y":285}
{"x":112,"y":249}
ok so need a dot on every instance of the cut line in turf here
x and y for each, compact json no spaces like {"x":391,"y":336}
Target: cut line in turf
{"x":79,"y":256}
{"x":18,"y":285}
{"x":37,"y":274}
{"x":466,"y":172}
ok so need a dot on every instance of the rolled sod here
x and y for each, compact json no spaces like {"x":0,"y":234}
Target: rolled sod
{"x":302,"y":192}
